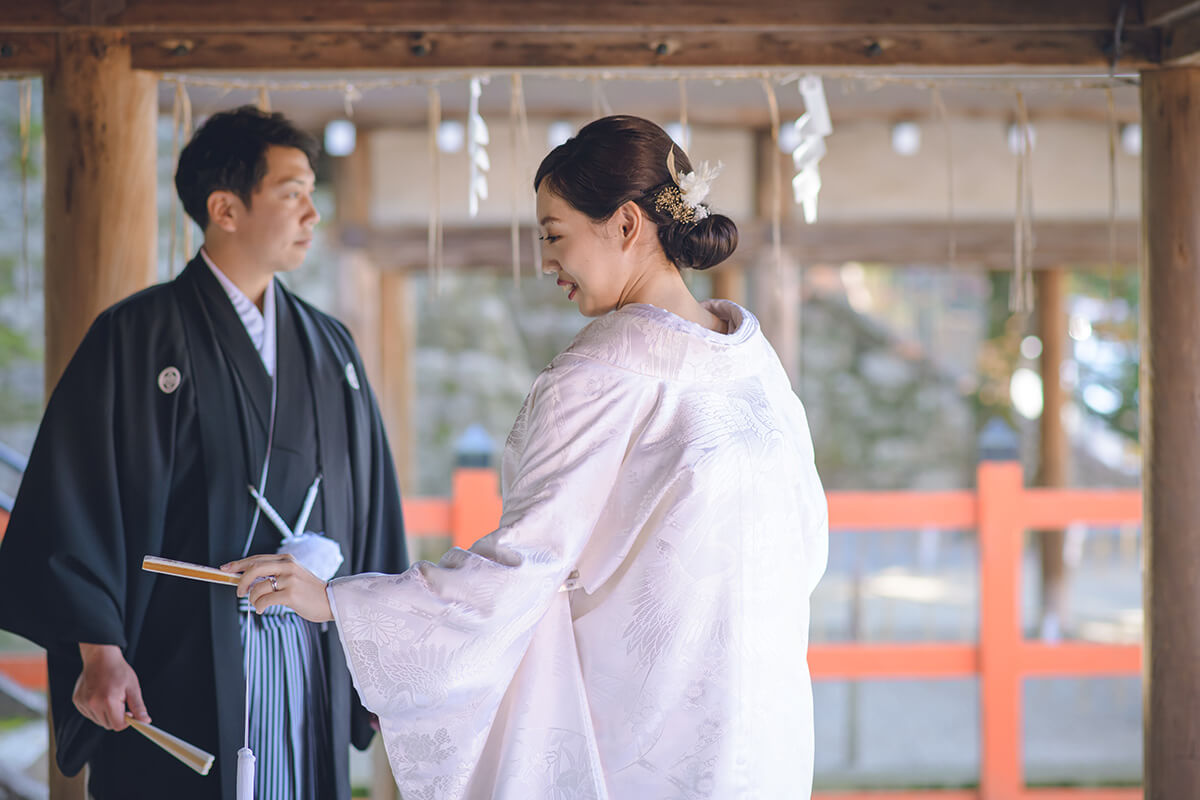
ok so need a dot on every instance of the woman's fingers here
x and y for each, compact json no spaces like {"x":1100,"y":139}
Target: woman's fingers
{"x":279,"y":580}
{"x":255,"y":568}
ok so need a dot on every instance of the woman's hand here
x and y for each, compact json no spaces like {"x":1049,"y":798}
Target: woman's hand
{"x":280,"y":580}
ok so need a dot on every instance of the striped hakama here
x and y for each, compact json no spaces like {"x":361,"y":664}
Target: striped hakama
{"x":289,"y":706}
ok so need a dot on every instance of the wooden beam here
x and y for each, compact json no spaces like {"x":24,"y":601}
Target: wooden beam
{"x":531,"y":15}
{"x":26,"y":52}
{"x":637,"y":48}
{"x":396,"y":393}
{"x":1170,"y":365}
{"x":1168,"y":12}
{"x":979,"y":244}
{"x":1181,"y":42}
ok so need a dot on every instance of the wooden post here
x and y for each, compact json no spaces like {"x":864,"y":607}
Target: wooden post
{"x":101,"y":218}
{"x":1053,"y":446}
{"x":1170,"y":366}
{"x":397,"y":345}
{"x":729,"y":282}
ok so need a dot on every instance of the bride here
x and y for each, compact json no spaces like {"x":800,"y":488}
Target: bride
{"x":637,"y":625}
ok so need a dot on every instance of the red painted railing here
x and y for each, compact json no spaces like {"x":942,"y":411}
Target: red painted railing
{"x":1000,"y":509}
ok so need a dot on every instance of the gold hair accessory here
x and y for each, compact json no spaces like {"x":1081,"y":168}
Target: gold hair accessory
{"x":684,"y":199}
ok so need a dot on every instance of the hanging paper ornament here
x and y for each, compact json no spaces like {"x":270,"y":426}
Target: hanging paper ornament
{"x":811,"y":129}
{"x":477,"y":141}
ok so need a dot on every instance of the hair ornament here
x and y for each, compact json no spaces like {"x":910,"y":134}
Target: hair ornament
{"x":684,"y":199}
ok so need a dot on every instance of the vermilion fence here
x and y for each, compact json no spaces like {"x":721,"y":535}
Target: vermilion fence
{"x":1000,"y":509}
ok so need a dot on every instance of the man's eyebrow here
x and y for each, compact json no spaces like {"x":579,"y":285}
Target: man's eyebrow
{"x":303,"y":180}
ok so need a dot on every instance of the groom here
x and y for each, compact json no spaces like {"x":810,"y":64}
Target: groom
{"x":179,"y":398}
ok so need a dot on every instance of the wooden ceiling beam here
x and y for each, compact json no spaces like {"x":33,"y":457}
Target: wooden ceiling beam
{"x":1168,"y":12}
{"x":26,"y":52}
{"x":856,"y":49}
{"x":1181,"y":43}
{"x":177,"y":16}
{"x":979,"y":244}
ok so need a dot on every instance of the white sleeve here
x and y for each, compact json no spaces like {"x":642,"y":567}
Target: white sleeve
{"x":432,"y":650}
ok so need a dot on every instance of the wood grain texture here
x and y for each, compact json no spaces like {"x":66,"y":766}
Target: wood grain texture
{"x":1171,"y":429}
{"x":101,"y":217}
{"x":637,"y":47}
{"x":434,"y":15}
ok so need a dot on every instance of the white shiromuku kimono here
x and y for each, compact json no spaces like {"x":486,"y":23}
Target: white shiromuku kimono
{"x":637,"y":627}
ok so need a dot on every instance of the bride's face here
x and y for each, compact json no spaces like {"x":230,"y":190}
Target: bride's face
{"x":586,"y":256}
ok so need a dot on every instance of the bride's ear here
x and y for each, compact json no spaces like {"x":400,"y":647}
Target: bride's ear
{"x":630,"y":223}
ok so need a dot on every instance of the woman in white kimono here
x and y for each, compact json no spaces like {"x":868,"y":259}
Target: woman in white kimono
{"x":637,"y":626}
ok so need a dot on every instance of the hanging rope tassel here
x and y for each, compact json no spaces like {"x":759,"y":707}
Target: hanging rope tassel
{"x":1020,"y":298}
{"x":518,"y":90}
{"x":1112,"y":189}
{"x":685,"y":139}
{"x":517,"y":181}
{"x":434,"y":243}
{"x":952,"y":240}
{"x":25,"y":126}
{"x":185,"y":134}
{"x":776,"y":181}
{"x":173,"y":211}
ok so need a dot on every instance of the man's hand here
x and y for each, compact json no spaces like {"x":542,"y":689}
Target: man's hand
{"x":107,"y":687}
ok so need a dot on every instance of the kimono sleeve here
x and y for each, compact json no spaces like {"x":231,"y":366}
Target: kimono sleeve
{"x":433,"y":650}
{"x":65,"y":558}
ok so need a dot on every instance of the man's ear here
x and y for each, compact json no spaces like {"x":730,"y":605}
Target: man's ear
{"x":224,"y":210}
{"x":630,"y":223}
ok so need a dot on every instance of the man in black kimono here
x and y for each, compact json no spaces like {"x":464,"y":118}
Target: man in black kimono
{"x":179,"y":399}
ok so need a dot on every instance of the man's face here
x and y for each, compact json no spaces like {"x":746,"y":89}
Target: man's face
{"x":277,"y":229}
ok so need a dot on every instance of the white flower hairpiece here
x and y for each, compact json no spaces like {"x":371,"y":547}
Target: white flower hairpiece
{"x":693,"y":186}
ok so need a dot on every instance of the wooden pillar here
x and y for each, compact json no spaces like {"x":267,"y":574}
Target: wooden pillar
{"x":729,"y":283}
{"x":1052,"y":444}
{"x":397,"y":344}
{"x":101,"y":217}
{"x":100,"y":212}
{"x":1170,"y":366}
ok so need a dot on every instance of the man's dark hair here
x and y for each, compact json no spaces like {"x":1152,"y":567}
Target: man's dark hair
{"x":229,"y":153}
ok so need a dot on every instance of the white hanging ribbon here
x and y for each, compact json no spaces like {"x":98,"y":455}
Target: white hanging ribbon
{"x":477,"y":156}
